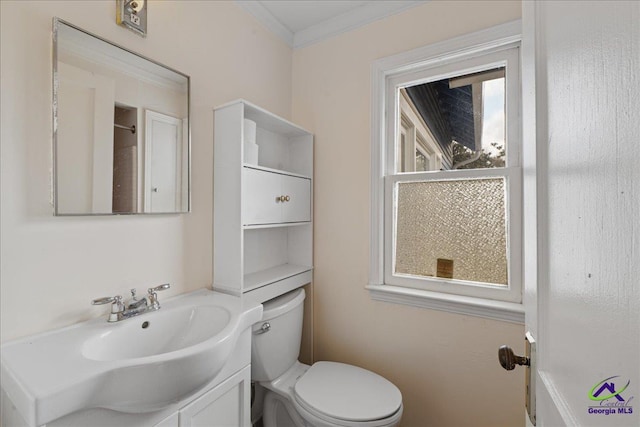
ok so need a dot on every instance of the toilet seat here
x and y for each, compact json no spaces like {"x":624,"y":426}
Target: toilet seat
{"x":337,"y":394}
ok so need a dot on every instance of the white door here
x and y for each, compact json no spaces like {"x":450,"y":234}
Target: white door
{"x":581,"y":120}
{"x":163,"y":163}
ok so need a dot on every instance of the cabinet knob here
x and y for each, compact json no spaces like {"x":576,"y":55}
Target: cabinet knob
{"x":287,"y":198}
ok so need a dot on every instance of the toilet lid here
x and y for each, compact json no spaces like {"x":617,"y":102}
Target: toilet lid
{"x":346,"y":392}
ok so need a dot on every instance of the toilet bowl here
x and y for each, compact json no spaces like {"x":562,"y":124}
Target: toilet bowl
{"x":325,"y":394}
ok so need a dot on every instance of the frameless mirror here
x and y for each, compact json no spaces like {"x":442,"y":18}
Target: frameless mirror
{"x":121,"y":129}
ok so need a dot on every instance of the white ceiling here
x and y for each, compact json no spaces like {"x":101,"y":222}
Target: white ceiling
{"x":304,"y":22}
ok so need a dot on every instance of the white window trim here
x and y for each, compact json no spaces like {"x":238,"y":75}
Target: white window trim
{"x":436,"y":54}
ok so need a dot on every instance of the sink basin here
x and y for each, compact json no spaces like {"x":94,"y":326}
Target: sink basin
{"x":137,"y":365}
{"x":163,"y":332}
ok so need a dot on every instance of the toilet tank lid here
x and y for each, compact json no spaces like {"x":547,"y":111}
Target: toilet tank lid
{"x":347,"y":392}
{"x":284,"y":303}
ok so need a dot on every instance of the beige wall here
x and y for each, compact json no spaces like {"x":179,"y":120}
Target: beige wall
{"x":445,"y":364}
{"x":51,"y":267}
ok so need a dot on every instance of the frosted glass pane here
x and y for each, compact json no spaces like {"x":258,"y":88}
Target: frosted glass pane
{"x":461,"y":221}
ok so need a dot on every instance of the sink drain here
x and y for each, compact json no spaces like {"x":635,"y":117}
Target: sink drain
{"x":145,"y":325}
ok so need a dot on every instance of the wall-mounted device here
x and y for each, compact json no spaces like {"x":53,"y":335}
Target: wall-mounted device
{"x":133,"y":15}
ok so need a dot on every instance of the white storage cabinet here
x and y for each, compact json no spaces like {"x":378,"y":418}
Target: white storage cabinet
{"x":262,"y":211}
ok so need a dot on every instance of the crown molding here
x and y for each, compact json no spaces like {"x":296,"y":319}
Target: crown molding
{"x":265,"y":17}
{"x":331,"y":27}
{"x":351,"y":20}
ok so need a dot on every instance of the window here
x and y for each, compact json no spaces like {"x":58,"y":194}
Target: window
{"x":446,"y":208}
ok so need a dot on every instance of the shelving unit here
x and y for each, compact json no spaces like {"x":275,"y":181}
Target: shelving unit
{"x":263,"y":232}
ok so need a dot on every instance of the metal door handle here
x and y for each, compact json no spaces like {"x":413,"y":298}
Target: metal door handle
{"x":509,"y":360}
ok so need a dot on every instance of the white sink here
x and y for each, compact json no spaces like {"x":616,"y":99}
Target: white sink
{"x":141,"y":364}
{"x":162,"y":332}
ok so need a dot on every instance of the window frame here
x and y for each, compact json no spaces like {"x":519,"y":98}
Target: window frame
{"x":460,"y":55}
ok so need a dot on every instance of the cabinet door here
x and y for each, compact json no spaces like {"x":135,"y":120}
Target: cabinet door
{"x":297,"y":208}
{"x":227,"y":405}
{"x":259,"y":192}
{"x":171,"y":421}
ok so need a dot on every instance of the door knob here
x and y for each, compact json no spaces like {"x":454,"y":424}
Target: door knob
{"x":508,"y":360}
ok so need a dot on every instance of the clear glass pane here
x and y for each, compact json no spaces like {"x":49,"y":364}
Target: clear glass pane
{"x":464,"y":117}
{"x":452,"y":229}
{"x":422,"y":163}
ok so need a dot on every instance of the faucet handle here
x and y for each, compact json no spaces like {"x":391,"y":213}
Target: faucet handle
{"x":106,"y":300}
{"x":160,"y":288}
{"x":117,"y":306}
{"x":153,"y":296}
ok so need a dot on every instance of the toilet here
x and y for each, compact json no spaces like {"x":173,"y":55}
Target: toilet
{"x":326,"y":394}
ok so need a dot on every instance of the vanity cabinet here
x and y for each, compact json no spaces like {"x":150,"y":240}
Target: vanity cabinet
{"x":263,"y":210}
{"x":172,"y":420}
{"x":225,"y":405}
{"x":225,"y":401}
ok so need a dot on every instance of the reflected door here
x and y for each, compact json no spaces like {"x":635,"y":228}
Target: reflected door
{"x":163,"y":149}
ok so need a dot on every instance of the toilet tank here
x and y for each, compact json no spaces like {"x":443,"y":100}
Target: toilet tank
{"x":275,"y":344}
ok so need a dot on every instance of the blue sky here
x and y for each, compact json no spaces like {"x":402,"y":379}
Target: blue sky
{"x":493,"y":117}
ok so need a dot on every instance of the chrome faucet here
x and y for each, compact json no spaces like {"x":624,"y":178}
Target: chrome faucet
{"x":135,"y":303}
{"x":135,"y":306}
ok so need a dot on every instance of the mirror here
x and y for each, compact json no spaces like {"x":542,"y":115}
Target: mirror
{"x":121,"y":129}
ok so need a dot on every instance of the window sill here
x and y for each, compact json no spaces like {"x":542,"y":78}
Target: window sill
{"x":490,"y":309}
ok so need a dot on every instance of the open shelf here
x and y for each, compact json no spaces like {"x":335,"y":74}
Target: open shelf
{"x":275,"y":225}
{"x":283,"y":172}
{"x":272,"y":275}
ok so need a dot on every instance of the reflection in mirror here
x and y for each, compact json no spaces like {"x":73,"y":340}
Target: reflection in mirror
{"x":121,"y":129}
